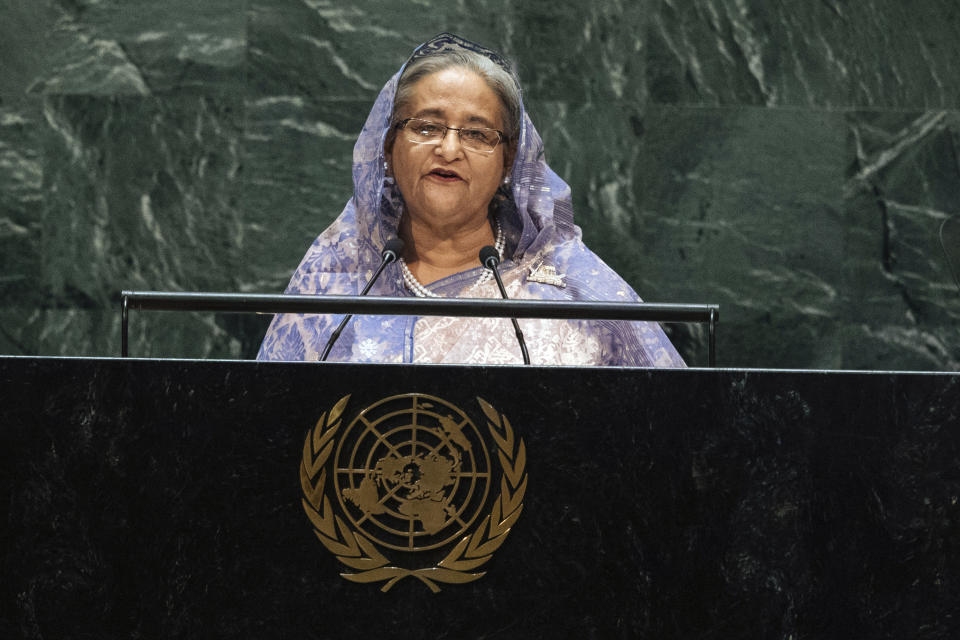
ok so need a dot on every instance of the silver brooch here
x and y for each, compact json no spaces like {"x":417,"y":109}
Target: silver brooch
{"x":546,"y":274}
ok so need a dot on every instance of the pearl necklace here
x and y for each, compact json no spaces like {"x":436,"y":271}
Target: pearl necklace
{"x":421,"y":291}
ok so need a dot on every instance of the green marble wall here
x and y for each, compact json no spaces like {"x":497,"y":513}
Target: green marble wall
{"x":791,"y":161}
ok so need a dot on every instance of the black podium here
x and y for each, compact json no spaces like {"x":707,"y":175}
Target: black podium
{"x":202,"y":499}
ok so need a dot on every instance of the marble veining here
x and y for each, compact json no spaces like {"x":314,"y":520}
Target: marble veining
{"x":791,"y":162}
{"x":881,"y":53}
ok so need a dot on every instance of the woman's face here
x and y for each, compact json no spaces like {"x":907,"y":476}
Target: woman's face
{"x":444,"y":185}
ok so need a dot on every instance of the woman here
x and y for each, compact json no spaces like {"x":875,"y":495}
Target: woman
{"x":449,"y":162}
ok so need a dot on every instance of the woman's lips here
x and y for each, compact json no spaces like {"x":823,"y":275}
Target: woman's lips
{"x":444,"y":176}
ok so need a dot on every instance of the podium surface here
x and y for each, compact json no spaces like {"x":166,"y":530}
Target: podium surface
{"x":166,"y":498}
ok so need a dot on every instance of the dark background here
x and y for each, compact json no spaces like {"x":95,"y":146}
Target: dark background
{"x":791,"y":161}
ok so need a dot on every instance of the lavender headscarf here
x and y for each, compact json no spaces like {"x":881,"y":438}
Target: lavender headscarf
{"x":537,"y":219}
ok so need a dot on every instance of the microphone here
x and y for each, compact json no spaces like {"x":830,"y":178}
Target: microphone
{"x":391,"y":252}
{"x":490,"y":258}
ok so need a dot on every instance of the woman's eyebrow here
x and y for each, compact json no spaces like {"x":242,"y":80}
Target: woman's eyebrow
{"x":480,"y":120}
{"x":431,"y":112}
{"x":440,"y":114}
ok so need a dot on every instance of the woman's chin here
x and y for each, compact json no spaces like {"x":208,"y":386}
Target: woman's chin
{"x":446,"y":209}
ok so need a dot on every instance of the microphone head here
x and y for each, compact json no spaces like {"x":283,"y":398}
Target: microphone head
{"x":489,"y":257}
{"x":392,"y":249}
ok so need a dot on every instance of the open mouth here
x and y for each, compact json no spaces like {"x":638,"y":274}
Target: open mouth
{"x":445,"y":174}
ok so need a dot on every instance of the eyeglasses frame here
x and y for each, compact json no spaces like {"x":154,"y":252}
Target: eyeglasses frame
{"x":402,"y":124}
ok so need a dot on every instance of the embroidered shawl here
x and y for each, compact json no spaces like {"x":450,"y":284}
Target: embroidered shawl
{"x":537,"y":219}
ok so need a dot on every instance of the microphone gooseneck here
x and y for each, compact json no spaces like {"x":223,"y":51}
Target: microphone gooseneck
{"x":391,"y":252}
{"x":490,"y":258}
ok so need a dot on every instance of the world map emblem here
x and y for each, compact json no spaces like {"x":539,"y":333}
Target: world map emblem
{"x":410,"y":487}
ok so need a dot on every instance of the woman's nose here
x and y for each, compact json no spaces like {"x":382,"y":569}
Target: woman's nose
{"x":450,"y":146}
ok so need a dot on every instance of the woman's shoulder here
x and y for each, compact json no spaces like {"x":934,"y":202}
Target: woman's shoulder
{"x":333,"y":250}
{"x":570,"y":270}
{"x":330,"y":263}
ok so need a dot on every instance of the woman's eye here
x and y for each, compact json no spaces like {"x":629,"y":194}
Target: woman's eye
{"x":429,"y":130}
{"x":483,"y":136}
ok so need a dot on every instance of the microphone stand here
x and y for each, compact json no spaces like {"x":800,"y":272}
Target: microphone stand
{"x":491,"y":259}
{"x":391,"y":251}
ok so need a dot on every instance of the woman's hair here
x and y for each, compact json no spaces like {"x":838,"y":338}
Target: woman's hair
{"x":503,"y":84}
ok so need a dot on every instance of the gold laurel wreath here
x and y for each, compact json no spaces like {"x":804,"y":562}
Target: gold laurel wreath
{"x":357,"y":552}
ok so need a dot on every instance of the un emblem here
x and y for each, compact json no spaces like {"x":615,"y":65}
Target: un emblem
{"x":409,"y":488}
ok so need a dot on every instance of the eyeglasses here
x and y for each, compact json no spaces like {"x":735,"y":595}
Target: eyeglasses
{"x":482,"y":140}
